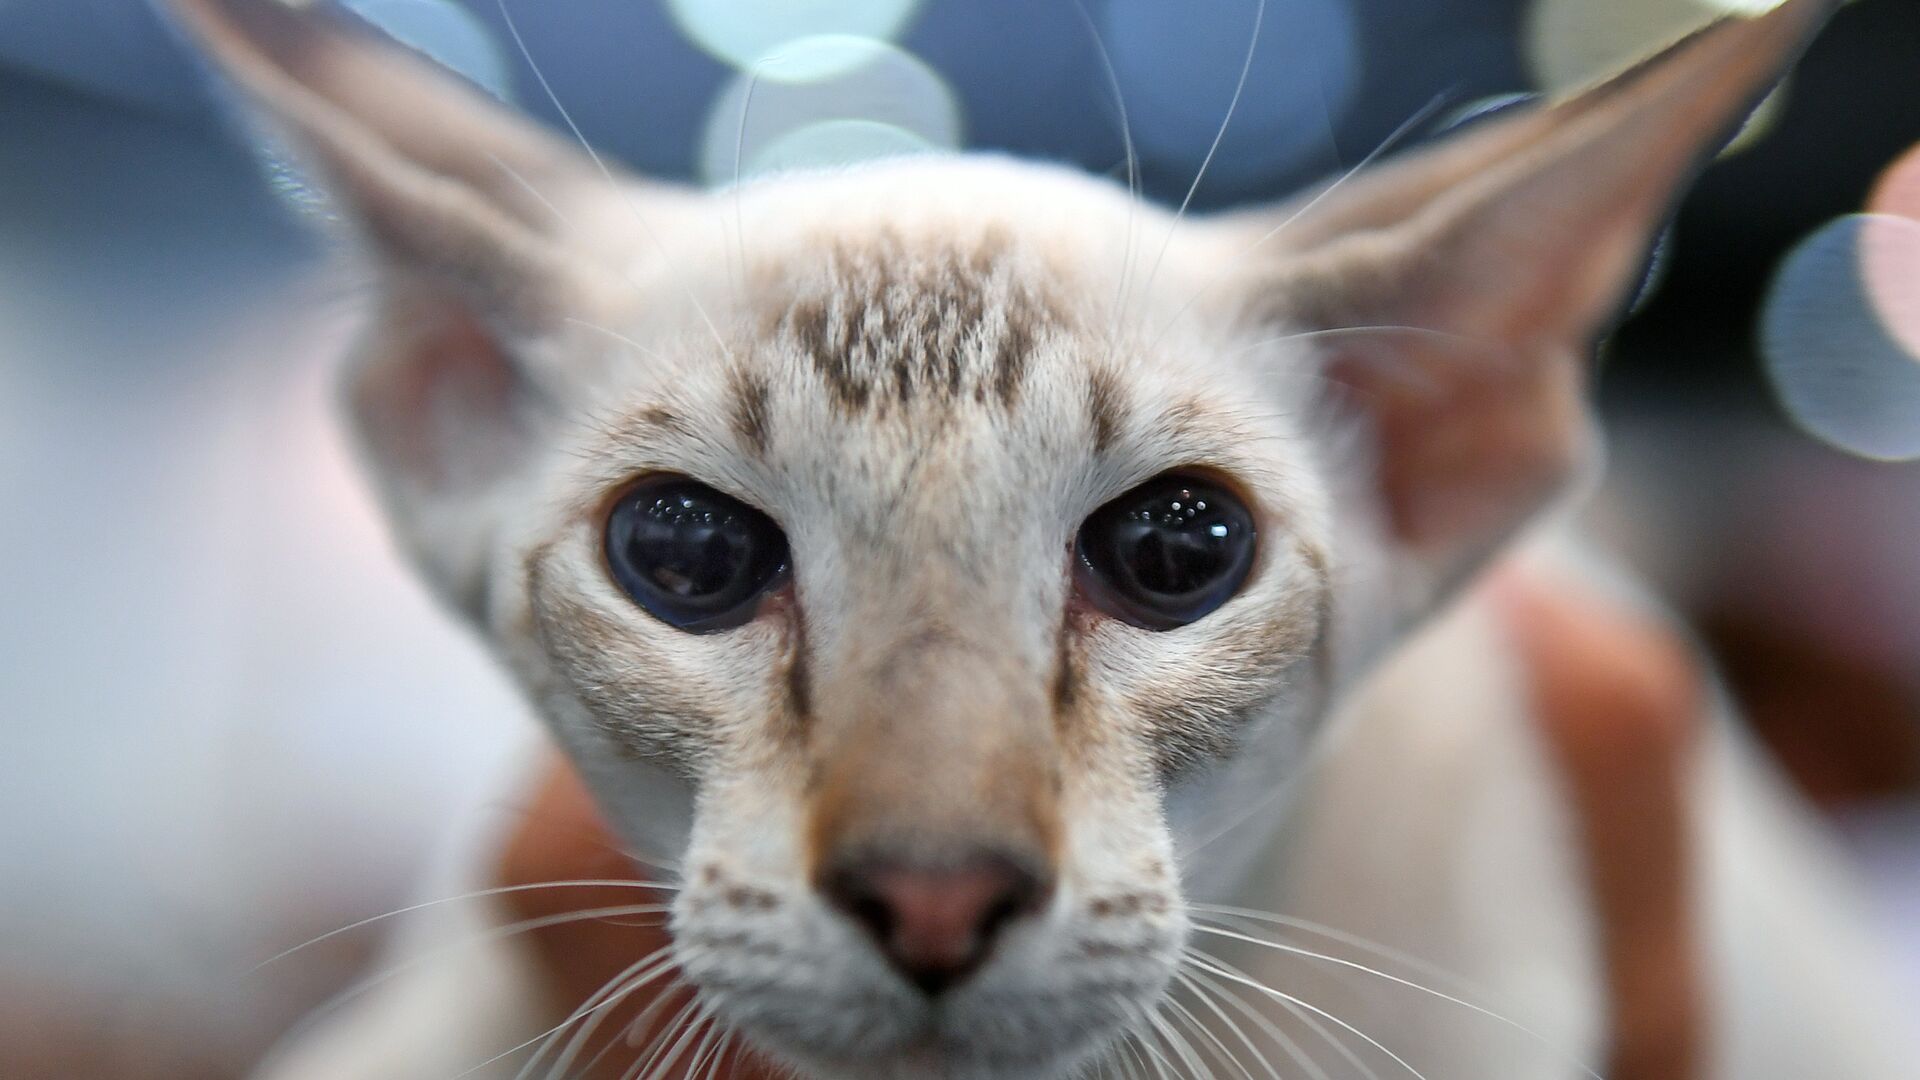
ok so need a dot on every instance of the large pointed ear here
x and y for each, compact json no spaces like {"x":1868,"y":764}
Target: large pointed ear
{"x":1508,"y":250}
{"x":452,"y":195}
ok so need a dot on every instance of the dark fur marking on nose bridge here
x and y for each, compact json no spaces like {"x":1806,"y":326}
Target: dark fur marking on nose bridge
{"x":799,"y":676}
{"x":750,"y":413}
{"x":659,"y":416}
{"x":902,"y":322}
{"x":1106,"y":407}
{"x":1066,"y":680}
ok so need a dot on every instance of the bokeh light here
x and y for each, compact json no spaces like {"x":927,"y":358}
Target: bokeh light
{"x":834,"y":143}
{"x":447,"y":32}
{"x":741,"y":32}
{"x":1840,"y":336}
{"x":1571,"y":43}
{"x":1898,"y":190}
{"x":830,"y":99}
{"x":1178,"y":72}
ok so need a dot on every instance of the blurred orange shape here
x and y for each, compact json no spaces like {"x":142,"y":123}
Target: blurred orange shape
{"x":1890,"y":265}
{"x":1898,"y":191}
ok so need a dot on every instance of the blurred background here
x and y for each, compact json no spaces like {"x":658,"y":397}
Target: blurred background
{"x":229,"y":721}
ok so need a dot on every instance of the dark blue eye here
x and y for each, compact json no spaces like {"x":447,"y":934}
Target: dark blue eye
{"x":1167,"y":553}
{"x":692,"y":557}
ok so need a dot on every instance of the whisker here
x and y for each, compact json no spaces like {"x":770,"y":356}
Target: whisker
{"x":1161,"y":1066}
{"x":1295,"y":950}
{"x":1133,"y":167}
{"x":617,"y":336}
{"x":727,"y":1045}
{"x":1210,"y":1041}
{"x":692,"y":1030}
{"x":492,"y":935}
{"x":630,"y":982}
{"x":628,"y":1036}
{"x":1337,"y":332}
{"x":527,"y":186}
{"x":1246,"y":68}
{"x":1344,"y":937}
{"x":1207,"y":963}
{"x":699,"y":1058}
{"x":649,"y":1046}
{"x":1414,"y":123}
{"x":625,"y":196}
{"x":480,"y":894}
{"x":1392,"y":140}
{"x":1313,"y":1025}
{"x":1267,"y":1027}
{"x":739,"y":164}
{"x":1200,"y":994}
{"x":591,"y":1005}
{"x":1176,"y":1042}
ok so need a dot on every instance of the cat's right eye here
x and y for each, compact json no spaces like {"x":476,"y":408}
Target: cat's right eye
{"x":1167,"y":553}
{"x":693,"y":557}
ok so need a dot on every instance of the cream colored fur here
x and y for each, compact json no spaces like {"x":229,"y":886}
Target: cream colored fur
{"x":929,"y":372}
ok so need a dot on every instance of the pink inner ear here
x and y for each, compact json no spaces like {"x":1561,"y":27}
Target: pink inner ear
{"x":1463,"y":456}
{"x":440,"y":401}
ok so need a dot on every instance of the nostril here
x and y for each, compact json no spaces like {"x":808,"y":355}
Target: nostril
{"x":871,"y":912}
{"x":935,"y":923}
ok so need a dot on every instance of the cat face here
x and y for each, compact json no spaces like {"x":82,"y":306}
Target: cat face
{"x":922,"y":380}
{"x":949,"y":559}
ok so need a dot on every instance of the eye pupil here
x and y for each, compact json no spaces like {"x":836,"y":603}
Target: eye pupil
{"x":691,"y":556}
{"x":1168,"y":552}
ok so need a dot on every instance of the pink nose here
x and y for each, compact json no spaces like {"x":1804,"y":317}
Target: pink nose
{"x":936,"y":925}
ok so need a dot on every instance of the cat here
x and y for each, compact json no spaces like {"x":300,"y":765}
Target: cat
{"x":979,"y":580}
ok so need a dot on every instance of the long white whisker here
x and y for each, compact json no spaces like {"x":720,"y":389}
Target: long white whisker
{"x":1132,"y":1065}
{"x":1133,"y":166}
{"x":629,"y":982}
{"x":527,"y":186}
{"x":691,"y":1032}
{"x":1336,"y":332}
{"x":1161,"y":1066}
{"x":615,"y":335}
{"x":648,"y":1048}
{"x":627,"y":1036}
{"x":1210,"y":1041}
{"x":1414,"y":122}
{"x":1295,"y":950}
{"x":477,"y":895}
{"x":625,"y":196}
{"x":1312,"y":1024}
{"x":720,"y":1052}
{"x":1205,"y":963}
{"x":1246,"y":69}
{"x":495,"y":934}
{"x":587,"y":1008}
{"x":739,"y":164}
{"x":699,"y":1058}
{"x":1267,"y":1027}
{"x":1200,"y":994}
{"x":1181,"y":1048}
{"x":1386,"y":145}
{"x":1344,"y":937}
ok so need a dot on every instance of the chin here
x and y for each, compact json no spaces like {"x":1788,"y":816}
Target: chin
{"x":940,"y":1044}
{"x":935,"y":1062}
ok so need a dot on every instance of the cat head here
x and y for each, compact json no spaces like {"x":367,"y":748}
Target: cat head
{"x":941,"y":555}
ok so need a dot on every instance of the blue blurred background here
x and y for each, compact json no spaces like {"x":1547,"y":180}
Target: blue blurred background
{"x":228,"y":721}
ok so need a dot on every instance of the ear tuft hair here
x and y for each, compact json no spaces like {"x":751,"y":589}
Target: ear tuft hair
{"x":436,"y":179}
{"x":1515,"y":244}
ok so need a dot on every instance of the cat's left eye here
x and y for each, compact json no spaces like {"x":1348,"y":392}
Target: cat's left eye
{"x":693,"y":557}
{"x":1167,"y":553}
